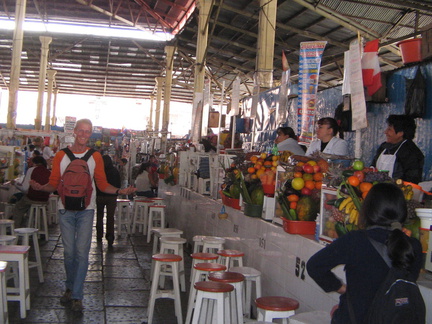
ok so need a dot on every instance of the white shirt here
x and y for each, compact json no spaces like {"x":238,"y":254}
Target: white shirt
{"x":290,"y":144}
{"x":336,"y":146}
{"x":47,"y":153}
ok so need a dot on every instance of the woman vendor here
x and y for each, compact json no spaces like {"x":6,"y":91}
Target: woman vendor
{"x":398,"y":154}
{"x":326,"y":141}
{"x":286,"y":140}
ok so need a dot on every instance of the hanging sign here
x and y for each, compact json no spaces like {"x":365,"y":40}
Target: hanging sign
{"x":309,"y":67}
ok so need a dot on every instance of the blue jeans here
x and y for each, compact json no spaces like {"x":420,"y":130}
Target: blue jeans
{"x":76,"y":231}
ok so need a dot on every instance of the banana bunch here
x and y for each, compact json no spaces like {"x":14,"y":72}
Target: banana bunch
{"x":347,"y":205}
{"x":408,"y":192}
{"x":284,"y":155}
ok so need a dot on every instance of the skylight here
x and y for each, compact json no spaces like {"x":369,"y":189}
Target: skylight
{"x":94,"y":30}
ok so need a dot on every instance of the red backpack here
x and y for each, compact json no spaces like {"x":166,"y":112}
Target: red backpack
{"x":76,"y":185}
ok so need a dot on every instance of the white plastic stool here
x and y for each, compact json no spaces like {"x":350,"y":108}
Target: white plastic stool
{"x":156,"y":214}
{"x":251,"y":275}
{"x":270,"y":307}
{"x":171,"y":261}
{"x":6,"y":226}
{"x":213,"y":244}
{"x":2,"y":215}
{"x":4,"y":317}
{"x":236,"y":279}
{"x":8,"y":239}
{"x":12,"y":271}
{"x":8,"y":210}
{"x":25,"y":234}
{"x":228,"y":257}
{"x":123,"y":216}
{"x":164,"y":232}
{"x":218,"y":292}
{"x":38,"y":219}
{"x":174,"y":245}
{"x":157,"y":200}
{"x":53,"y":209}
{"x":198,"y":243}
{"x":18,"y":253}
{"x":140,"y":215}
{"x":201,"y":257}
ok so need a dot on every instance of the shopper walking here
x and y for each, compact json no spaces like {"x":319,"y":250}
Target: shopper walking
{"x":76,"y":225}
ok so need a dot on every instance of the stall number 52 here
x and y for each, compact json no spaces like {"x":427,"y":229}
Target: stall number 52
{"x":300,"y":268}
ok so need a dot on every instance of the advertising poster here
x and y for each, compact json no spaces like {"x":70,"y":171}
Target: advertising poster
{"x":309,"y":67}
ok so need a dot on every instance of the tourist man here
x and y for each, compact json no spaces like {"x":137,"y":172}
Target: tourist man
{"x":77,"y":225}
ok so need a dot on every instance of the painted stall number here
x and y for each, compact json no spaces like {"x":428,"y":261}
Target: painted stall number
{"x":300,"y":268}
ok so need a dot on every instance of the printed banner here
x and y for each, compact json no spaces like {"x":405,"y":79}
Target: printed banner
{"x":358,"y":103}
{"x":309,"y":67}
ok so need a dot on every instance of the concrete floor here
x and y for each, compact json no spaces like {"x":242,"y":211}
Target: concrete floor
{"x":116,"y":290}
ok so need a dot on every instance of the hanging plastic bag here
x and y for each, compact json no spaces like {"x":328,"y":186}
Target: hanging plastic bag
{"x":415,"y":103}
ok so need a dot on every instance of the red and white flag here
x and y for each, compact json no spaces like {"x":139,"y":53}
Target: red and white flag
{"x":370,"y":67}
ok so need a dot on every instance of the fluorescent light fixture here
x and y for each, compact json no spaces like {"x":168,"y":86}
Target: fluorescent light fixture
{"x":80,"y":29}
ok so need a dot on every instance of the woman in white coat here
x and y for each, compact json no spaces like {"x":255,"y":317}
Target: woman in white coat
{"x":327,"y":142}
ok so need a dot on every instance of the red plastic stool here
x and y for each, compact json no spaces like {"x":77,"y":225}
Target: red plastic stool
{"x":235,"y":279}
{"x":271,"y":307}
{"x":217,"y":291}
{"x":228,"y":257}
{"x":201,"y":257}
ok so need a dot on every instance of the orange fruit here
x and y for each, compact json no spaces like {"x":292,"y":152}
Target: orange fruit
{"x":298,"y":174}
{"x":268,"y":163}
{"x":310,"y":184}
{"x":293,"y":204}
{"x":307,"y":176}
{"x":318,"y":185}
{"x":251,"y":170}
{"x":258,"y":165}
{"x":297,"y":183}
{"x":364,"y":194}
{"x":318,"y":176}
{"x":275,"y":157}
{"x":300,"y":164}
{"x":254,"y":176}
{"x":353,"y":181}
{"x":311,"y":162}
{"x":259,"y":173}
{"x":292,"y":198}
{"x":263,"y":155}
{"x":254,"y":158}
{"x":365,"y":186}
{"x":275,"y":163}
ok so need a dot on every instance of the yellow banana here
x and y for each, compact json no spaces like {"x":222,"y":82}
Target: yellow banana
{"x":349,"y":207}
{"x":409,"y":195}
{"x":344,"y":203}
{"x":353,"y":217}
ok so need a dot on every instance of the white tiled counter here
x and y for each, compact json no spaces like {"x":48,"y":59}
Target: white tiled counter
{"x":281,"y":257}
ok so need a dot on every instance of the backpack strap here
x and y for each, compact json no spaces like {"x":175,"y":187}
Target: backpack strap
{"x":69,"y":153}
{"x":381,"y":249}
{"x":88,"y":154}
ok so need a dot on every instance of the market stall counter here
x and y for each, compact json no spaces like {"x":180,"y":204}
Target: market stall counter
{"x":281,"y":257}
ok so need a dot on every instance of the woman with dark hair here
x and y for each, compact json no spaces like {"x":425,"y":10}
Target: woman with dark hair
{"x":383,"y":212}
{"x":327,"y":142}
{"x":107,"y":200}
{"x":145,"y":181}
{"x":286,"y":140}
{"x":398,"y":154}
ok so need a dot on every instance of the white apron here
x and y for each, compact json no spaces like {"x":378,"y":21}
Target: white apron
{"x":386,"y":162}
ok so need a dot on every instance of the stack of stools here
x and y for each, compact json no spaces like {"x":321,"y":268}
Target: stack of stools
{"x":235,"y":279}
{"x":123,"y":216}
{"x":200,"y":257}
{"x":212,"y":244}
{"x":217,"y":291}
{"x":156,"y":215}
{"x":251,"y":275}
{"x":24,"y":234}
{"x":163,"y":232}
{"x":140,"y":215}
{"x":7,"y":226}
{"x":271,"y":307}
{"x":53,"y":209}
{"x":162,"y":263}
{"x":38,"y":219}
{"x":174,"y":245}
{"x":228,"y":257}
{"x":18,"y":253}
{"x":200,"y":270}
{"x":4,"y":317}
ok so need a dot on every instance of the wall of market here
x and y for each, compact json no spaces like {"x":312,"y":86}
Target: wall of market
{"x":377,"y":113}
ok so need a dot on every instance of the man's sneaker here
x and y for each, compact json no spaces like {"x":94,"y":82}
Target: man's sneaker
{"x":77,"y":305}
{"x":67,"y":297}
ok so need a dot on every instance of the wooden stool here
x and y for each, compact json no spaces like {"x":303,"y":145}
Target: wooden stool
{"x":235,"y":279}
{"x":53,"y":209}
{"x":271,"y":307}
{"x":4,"y":317}
{"x":201,"y":270}
{"x":25,"y":234}
{"x":228,"y":257}
{"x":156,"y":214}
{"x":174,"y":245}
{"x":6,"y":226}
{"x":164,"y":232}
{"x":213,"y":244}
{"x":165,"y":260}
{"x":157,"y":200}
{"x":251,"y":275}
{"x":123,"y":216}
{"x":200,"y":257}
{"x":140,"y":215}
{"x":38,"y":219}
{"x":18,"y":253}
{"x":217,"y":291}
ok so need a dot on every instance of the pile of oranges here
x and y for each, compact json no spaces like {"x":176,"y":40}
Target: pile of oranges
{"x":307,"y":177}
{"x":261,"y":164}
